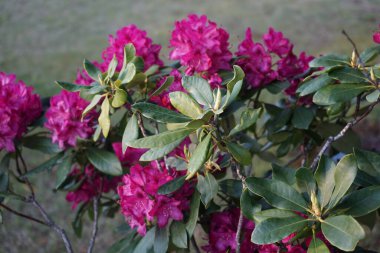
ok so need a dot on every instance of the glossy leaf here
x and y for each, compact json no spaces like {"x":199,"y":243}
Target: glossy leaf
{"x":199,"y":156}
{"x":179,"y":234}
{"x":284,"y":174}
{"x":317,"y":246}
{"x":131,"y":132}
{"x":370,"y":53}
{"x":199,"y":89}
{"x":238,"y":76}
{"x":185,"y":104}
{"x":112,"y":67}
{"x":305,"y":180}
{"x":368,"y":162}
{"x":302,"y":117}
{"x":160,"y":114}
{"x":161,"y":240}
{"x":347,"y":75}
{"x":338,"y":93}
{"x":275,"y":229}
{"x":194,"y":210}
{"x":91,"y":70}
{"x":120,"y":98}
{"x":104,"y":118}
{"x":168,"y":81}
{"x":207,"y":187}
{"x":247,"y":119}
{"x":314,"y":85}
{"x":273,"y":213}
{"x":63,"y":170}
{"x":373,"y":96}
{"x":277,"y":193}
{"x":342,"y":231}
{"x":249,"y":205}
{"x":95,"y":100}
{"x":72,"y":87}
{"x":330,"y":60}
{"x":146,"y":243}
{"x":231,"y":187}
{"x":171,"y":186}
{"x":104,"y":161}
{"x":239,"y":153}
{"x":48,"y":165}
{"x":40,"y":143}
{"x":324,"y":175}
{"x":156,"y":153}
{"x":128,"y":74}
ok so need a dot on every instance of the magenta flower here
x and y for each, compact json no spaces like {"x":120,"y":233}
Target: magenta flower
{"x":94,"y":183}
{"x":19,"y":107}
{"x":143,"y":44}
{"x":140,"y":201}
{"x":200,"y":45}
{"x":64,"y":119}
{"x":376,"y":36}
{"x":255,"y":61}
{"x":131,"y":155}
{"x":276,"y":43}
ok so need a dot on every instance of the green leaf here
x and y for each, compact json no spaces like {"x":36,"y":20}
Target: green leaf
{"x":147,"y":242}
{"x":345,"y":173}
{"x":63,"y":170}
{"x":119,"y":98}
{"x":162,"y":139}
{"x":248,"y":205}
{"x":324,"y":175}
{"x":317,"y":246}
{"x":104,"y":161}
{"x":139,"y":63}
{"x":128,"y":74}
{"x":277,"y":193}
{"x":156,"y":153}
{"x":185,"y":104}
{"x":123,"y":245}
{"x":373,"y":96}
{"x":302,"y":117}
{"x":168,"y":81}
{"x":231,"y":187}
{"x":368,"y":162}
{"x":131,"y":132}
{"x":314,"y":85}
{"x":40,"y":143}
{"x":275,"y":229}
{"x":247,"y":119}
{"x":112,"y":67}
{"x":91,"y":70}
{"x":277,"y":86}
{"x":238,"y":76}
{"x":361,"y":202}
{"x":199,"y":156}
{"x":305,"y":180}
{"x":160,"y":114}
{"x":370,"y":53}
{"x":231,"y":96}
{"x":48,"y":165}
{"x":347,"y":75}
{"x":330,"y":60}
{"x":273,"y":213}
{"x":129,"y":54}
{"x":338,"y":93}
{"x":179,"y":234}
{"x":284,"y":174}
{"x":239,"y":153}
{"x":104,"y":118}
{"x":171,"y":186}
{"x":161,"y":240}
{"x":194,"y":210}
{"x":93,"y":103}
{"x":72,"y":87}
{"x":343,"y":232}
{"x":207,"y":187}
{"x":199,"y":89}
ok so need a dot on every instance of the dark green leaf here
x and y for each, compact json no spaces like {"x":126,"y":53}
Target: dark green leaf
{"x":314,"y":85}
{"x":171,"y":186}
{"x":302,"y":117}
{"x":146,"y":243}
{"x":63,"y":170}
{"x":330,"y":60}
{"x":249,"y":205}
{"x":168,"y":81}
{"x":185,"y":104}
{"x":317,"y":246}
{"x":122,"y":245}
{"x":275,"y":229}
{"x":207,"y":187}
{"x":91,"y":70}
{"x":179,"y":234}
{"x":231,"y":187}
{"x":338,"y":93}
{"x":324,"y":175}
{"x":131,"y":132}
{"x":348,"y":75}
{"x":104,"y":161}
{"x":247,"y":119}
{"x":199,"y":156}
{"x":40,"y":143}
{"x":305,"y":180}
{"x":368,"y":162}
{"x":239,"y":153}
{"x":162,"y":139}
{"x":48,"y":165}
{"x":277,"y":193}
{"x":72,"y":87}
{"x":277,"y":87}
{"x":284,"y":174}
{"x":156,"y":153}
{"x":343,"y":232}
{"x":370,"y":53}
{"x":160,"y":114}
{"x":273,"y":213}
{"x":199,"y":89}
{"x":238,"y":76}
{"x":161,"y":240}
{"x":194,"y":210}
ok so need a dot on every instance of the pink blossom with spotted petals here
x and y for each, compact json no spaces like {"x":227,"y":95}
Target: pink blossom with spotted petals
{"x":19,"y":107}
{"x":93,"y":183}
{"x":255,"y":61}
{"x":200,"y":45}
{"x":64,"y":119}
{"x":143,"y":44}
{"x":277,"y":43}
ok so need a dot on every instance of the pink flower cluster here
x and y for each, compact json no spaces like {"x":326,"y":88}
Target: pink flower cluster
{"x":376,"y":36}
{"x":143,"y":44}
{"x":64,"y":119}
{"x":93,"y":184}
{"x":200,"y":45}
{"x":271,"y":61}
{"x":140,"y":202}
{"x":19,"y":107}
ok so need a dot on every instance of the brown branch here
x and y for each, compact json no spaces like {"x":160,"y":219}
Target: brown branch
{"x":241,"y":217}
{"x":332,"y":139}
{"x":22,"y":215}
{"x":95,"y":225}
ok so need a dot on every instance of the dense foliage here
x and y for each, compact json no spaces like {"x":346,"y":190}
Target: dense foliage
{"x":246,"y":151}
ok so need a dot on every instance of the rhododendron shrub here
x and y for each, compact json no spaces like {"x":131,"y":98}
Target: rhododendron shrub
{"x":199,"y":155}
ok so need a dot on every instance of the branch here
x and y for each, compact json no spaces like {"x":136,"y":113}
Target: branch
{"x":332,"y":139}
{"x":22,"y":215}
{"x":241,"y":217}
{"x":95,"y":226}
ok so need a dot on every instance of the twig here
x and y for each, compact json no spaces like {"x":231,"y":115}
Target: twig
{"x":52,"y":225}
{"x":95,"y":225}
{"x":241,"y":217}
{"x":331,"y":139}
{"x":22,"y":215}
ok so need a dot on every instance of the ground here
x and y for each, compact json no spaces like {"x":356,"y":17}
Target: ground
{"x":42,"y":41}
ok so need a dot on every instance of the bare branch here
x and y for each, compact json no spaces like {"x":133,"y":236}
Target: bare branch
{"x":95,"y":225}
{"x":241,"y":217}
{"x":22,"y":215}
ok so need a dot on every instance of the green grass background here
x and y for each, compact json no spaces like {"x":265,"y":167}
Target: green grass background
{"x":42,"y":41}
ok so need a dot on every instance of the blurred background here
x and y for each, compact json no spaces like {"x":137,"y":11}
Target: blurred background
{"x":42,"y":41}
